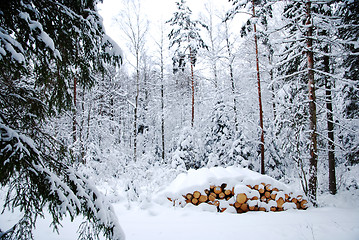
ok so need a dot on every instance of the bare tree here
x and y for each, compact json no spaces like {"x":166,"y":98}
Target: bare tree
{"x":135,"y":29}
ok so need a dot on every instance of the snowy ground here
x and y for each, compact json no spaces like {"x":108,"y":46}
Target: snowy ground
{"x":159,"y":222}
{"x":337,"y":217}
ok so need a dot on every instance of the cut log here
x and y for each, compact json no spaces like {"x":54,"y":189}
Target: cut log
{"x":222,"y":209}
{"x":256,"y":187}
{"x":249,"y":186}
{"x":273,"y":209}
{"x":203,"y":198}
{"x":275,"y":190}
{"x":217,"y":190}
{"x":196,"y":194}
{"x":241,"y":198}
{"x":221,"y":195}
{"x":211,"y":197}
{"x":263,"y":199}
{"x":254,"y":198}
{"x":261,"y":209}
{"x":294,"y":200}
{"x":267,"y":194}
{"x":244,"y":207}
{"x":228,"y":192}
{"x":194,"y":201}
{"x":261,"y":189}
{"x":286,"y":197}
{"x":273,"y":195}
{"x":237,"y":205}
{"x":304,"y":204}
{"x":239,"y":210}
{"x":252,"y":208}
{"x":189,"y":196}
{"x":216,"y":203}
{"x":268,"y":187}
{"x":299,"y":198}
{"x":280,"y":202}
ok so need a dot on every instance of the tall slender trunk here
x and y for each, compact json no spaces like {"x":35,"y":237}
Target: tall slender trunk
{"x":330,"y":125}
{"x":313,"y":161}
{"x":233,"y":87}
{"x":192,"y":83}
{"x":74,"y":123}
{"x":136,"y":108}
{"x":162,"y":105}
{"x":259,"y":92}
{"x":272,"y":86}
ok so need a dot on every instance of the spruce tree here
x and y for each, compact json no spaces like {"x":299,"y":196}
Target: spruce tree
{"x":44,"y":45}
{"x":349,"y":34}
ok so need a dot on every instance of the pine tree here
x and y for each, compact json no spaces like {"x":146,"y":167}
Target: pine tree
{"x":43,"y":47}
{"x":254,"y":16}
{"x":185,"y":36}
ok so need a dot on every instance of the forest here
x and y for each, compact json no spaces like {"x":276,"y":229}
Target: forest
{"x":87,"y":122}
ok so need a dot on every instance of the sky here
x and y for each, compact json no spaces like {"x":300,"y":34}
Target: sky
{"x":155,"y":10}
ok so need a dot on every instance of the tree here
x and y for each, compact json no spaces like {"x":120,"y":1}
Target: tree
{"x":185,"y":35}
{"x":349,"y":33}
{"x":135,"y":28}
{"x":237,"y":6}
{"x":310,"y":29}
{"x":219,"y":137}
{"x":43,"y":46}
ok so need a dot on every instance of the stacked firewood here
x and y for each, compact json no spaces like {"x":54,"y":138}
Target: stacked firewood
{"x":268,"y":199}
{"x":260,"y":197}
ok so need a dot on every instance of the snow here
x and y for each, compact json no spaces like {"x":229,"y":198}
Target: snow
{"x":161,"y":222}
{"x":336,"y":218}
{"x":237,"y":177}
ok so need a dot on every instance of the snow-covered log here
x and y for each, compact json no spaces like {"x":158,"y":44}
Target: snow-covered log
{"x":240,"y":188}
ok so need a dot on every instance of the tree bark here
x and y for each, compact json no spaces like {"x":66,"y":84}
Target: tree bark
{"x":192,"y":84}
{"x":136,"y":107}
{"x":270,"y":56}
{"x":313,"y":161}
{"x":259,"y":92}
{"x":74,"y":123}
{"x":330,"y":125}
{"x":162,"y":103}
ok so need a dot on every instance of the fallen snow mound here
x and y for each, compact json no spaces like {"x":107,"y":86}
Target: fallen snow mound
{"x":236,"y":178}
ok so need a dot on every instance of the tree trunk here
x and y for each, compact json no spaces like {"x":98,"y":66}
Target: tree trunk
{"x":136,"y":107}
{"x":259,"y":92}
{"x":312,"y":110}
{"x":330,"y":124}
{"x":270,"y":56}
{"x":162,"y":105}
{"x":230,"y":58}
{"x":74,"y":123}
{"x":192,"y":83}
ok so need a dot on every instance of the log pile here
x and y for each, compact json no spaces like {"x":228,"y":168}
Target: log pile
{"x":260,"y":197}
